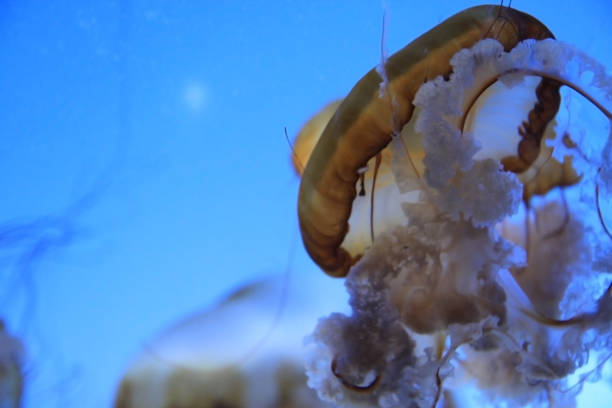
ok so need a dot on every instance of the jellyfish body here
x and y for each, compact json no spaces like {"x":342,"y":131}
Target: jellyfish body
{"x":309,"y":135}
{"x":499,"y":273}
{"x":364,"y":123}
{"x":11,"y":369}
{"x":233,"y":355}
{"x":387,"y":210}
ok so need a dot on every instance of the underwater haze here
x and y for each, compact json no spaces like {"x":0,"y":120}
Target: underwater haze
{"x":144,"y":164}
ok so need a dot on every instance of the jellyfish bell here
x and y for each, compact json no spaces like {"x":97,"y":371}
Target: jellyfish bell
{"x":11,"y":368}
{"x":237,"y":354}
{"x":309,"y":134}
{"x":364,"y":124}
{"x":378,"y":196}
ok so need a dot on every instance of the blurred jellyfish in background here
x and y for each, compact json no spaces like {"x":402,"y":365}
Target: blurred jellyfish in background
{"x":463,"y":190}
{"x":309,"y":134}
{"x":12,"y":356}
{"x":27,"y":365}
{"x":245,"y":352}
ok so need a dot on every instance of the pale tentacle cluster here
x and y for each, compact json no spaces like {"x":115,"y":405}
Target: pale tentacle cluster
{"x":481,"y":285}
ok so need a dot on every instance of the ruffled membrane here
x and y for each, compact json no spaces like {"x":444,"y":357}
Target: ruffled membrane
{"x":497,"y":278}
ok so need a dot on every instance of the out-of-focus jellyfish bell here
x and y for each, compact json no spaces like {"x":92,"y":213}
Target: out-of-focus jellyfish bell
{"x":11,"y":371}
{"x":498,"y":273}
{"x":309,"y":135}
{"x":245,"y":352}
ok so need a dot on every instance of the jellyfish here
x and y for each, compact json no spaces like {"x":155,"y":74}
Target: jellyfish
{"x":309,"y":134}
{"x":363,"y":124}
{"x":492,"y":265}
{"x":236,"y":354}
{"x":11,"y":369}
